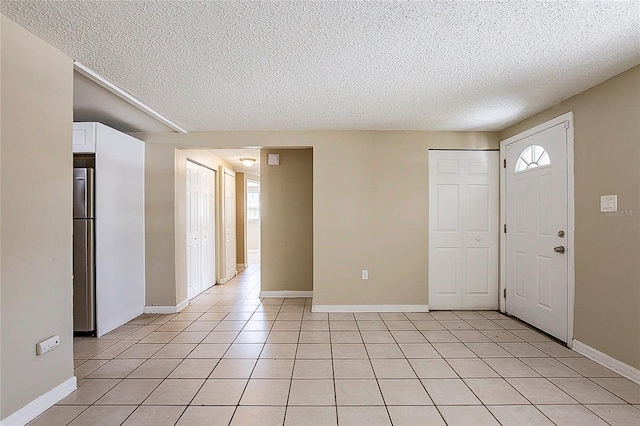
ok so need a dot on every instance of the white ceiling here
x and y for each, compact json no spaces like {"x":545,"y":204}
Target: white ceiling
{"x":296,"y":65}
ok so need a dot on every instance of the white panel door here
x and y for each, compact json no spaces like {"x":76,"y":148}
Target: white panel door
{"x":229,"y":221}
{"x":536,"y":221}
{"x":194,"y":231}
{"x":208,"y":229}
{"x":463,"y":229}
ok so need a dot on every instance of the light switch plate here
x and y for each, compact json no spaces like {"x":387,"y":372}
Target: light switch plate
{"x":608,"y":203}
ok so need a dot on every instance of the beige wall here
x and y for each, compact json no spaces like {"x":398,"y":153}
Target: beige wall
{"x":287,"y":221}
{"x":241,"y":229}
{"x":371,"y":210}
{"x":160,"y":222}
{"x":36,"y":228}
{"x":370,"y":205}
{"x":607,"y":248}
{"x":165,"y":211}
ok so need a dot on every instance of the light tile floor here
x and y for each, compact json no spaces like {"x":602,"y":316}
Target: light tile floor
{"x":231,"y":358}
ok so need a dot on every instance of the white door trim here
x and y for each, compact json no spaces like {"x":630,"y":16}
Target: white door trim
{"x":568,"y":118}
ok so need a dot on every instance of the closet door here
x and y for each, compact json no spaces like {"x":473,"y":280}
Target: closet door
{"x":463,"y":230}
{"x":194,"y":230}
{"x":201,"y":230}
{"x":229,"y":221}
{"x":208,"y":229}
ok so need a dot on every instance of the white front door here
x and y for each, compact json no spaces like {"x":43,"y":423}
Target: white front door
{"x":463,"y":229}
{"x":536,"y":213}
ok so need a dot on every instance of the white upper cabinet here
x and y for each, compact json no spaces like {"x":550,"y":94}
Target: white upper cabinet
{"x":84,"y":138}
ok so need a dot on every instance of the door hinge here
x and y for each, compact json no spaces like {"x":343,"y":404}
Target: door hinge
{"x":504,"y":292}
{"x":566,"y":124}
{"x":504,"y":163}
{"x":505,"y":228}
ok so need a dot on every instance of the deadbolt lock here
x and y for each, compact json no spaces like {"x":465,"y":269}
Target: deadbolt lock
{"x":561,"y":234}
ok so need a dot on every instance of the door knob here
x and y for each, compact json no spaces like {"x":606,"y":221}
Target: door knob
{"x":559,"y":249}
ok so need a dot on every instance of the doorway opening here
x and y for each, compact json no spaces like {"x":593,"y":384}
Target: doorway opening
{"x":253,"y":222}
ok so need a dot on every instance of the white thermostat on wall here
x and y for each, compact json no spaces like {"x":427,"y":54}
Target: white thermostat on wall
{"x":273,"y":159}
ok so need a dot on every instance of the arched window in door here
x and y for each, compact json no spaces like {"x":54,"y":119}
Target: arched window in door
{"x":531,"y":157}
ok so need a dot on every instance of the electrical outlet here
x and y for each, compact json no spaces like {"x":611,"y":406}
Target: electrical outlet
{"x":365,"y":274}
{"x":46,"y":345}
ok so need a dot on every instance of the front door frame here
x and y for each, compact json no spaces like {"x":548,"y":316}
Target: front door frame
{"x":568,"y":119}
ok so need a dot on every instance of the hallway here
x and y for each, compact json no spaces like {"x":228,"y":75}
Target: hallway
{"x":231,"y":358}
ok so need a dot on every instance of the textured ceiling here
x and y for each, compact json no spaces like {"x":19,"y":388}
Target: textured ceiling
{"x":233,"y":156}
{"x":343,"y":65}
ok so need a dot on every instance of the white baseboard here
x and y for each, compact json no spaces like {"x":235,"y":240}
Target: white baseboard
{"x":370,"y":308}
{"x":241,"y":265}
{"x":166,"y":309}
{"x":226,"y":280}
{"x":611,"y":363}
{"x":286,"y":293}
{"x":182,"y":305}
{"x":41,"y":404}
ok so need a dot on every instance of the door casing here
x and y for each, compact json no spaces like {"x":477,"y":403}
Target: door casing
{"x":565,"y":118}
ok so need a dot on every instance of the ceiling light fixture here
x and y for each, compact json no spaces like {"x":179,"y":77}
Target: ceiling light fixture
{"x":247,"y":162}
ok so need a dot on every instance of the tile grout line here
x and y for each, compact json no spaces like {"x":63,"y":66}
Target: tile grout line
{"x":386,"y":407}
{"x":286,"y":407}
{"x":235,"y":410}
{"x":333,"y":368}
{"x":416,"y":373}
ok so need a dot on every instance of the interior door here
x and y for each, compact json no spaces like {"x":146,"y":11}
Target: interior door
{"x":193,"y":224}
{"x":536,"y":189}
{"x":230,"y":223}
{"x":208,"y":229}
{"x":463,"y":229}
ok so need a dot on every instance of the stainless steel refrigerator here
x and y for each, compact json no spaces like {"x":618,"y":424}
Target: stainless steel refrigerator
{"x":84,"y":290}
